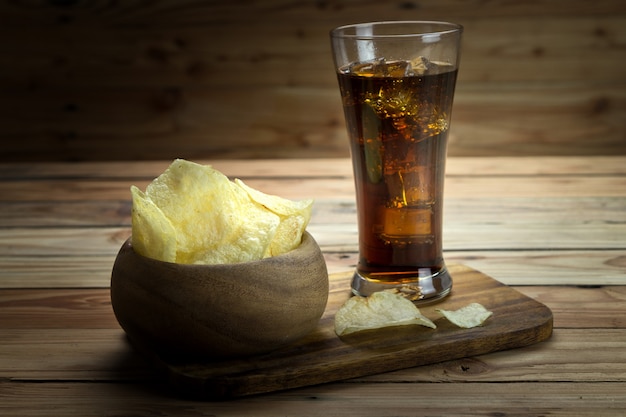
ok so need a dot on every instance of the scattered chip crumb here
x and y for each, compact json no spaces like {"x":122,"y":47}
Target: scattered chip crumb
{"x":472,"y":315}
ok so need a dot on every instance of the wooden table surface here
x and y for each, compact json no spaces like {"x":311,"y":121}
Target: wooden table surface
{"x":554,"y":228}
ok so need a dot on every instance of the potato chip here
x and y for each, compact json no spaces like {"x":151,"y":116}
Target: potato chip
{"x":153,"y":235}
{"x":472,"y":315}
{"x":252,"y":231}
{"x":294,"y":218}
{"x":278,"y":205}
{"x":193,"y":213}
{"x":197,"y":202}
{"x":381,"y":309}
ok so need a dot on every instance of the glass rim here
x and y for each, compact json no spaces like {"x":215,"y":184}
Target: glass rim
{"x":446,"y":28}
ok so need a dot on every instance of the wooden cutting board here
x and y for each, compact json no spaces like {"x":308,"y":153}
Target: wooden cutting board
{"x":323,"y":357}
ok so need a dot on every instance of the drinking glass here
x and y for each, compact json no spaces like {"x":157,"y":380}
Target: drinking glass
{"x":397,"y":82}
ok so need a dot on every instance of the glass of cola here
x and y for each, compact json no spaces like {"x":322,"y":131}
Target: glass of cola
{"x":397,"y":82}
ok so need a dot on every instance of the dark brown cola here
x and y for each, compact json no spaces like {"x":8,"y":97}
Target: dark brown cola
{"x":398,"y":116}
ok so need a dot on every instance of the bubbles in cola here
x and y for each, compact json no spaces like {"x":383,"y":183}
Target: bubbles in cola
{"x":398,"y":115}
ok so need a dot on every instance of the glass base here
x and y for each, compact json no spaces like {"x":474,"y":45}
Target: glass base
{"x":422,"y":290}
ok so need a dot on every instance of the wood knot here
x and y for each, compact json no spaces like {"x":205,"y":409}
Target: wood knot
{"x":600,"y":105}
{"x":600,"y":32}
{"x":468,"y":366}
{"x":158,"y":54}
{"x":538,"y":51}
{"x":328,"y":5}
{"x":167,"y":99}
{"x":62,"y":3}
{"x":71,"y":108}
{"x":197,"y":69}
{"x":618,"y":261}
{"x":408,"y":5}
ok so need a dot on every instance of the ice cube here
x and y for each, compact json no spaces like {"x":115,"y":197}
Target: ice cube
{"x":408,"y":185}
{"x":381,"y":68}
{"x":421,"y":65}
{"x":365,"y":68}
{"x":396,"y":69}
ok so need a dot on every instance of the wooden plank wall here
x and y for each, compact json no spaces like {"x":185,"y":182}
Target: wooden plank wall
{"x":141,"y":79}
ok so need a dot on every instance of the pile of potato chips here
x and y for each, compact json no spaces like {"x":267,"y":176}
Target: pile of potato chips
{"x":193,"y":214}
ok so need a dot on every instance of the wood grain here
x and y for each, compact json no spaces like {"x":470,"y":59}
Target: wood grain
{"x":516,"y":398}
{"x":323,"y":357}
{"x":148,"y":80}
{"x":559,"y":208}
{"x":104,"y":355}
{"x":550,"y":268}
{"x":62,"y":350}
{"x":323,"y":167}
{"x":319,"y":188}
{"x":457,"y":210}
{"x":41,"y":310}
{"x":62,"y":309}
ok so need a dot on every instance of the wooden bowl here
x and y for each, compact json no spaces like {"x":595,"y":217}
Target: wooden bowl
{"x":220,"y":311}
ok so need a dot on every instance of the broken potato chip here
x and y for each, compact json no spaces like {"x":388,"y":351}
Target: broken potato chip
{"x":381,"y":309}
{"x":472,"y":315}
{"x":153,"y":233}
{"x":194,"y":214}
{"x":293,"y":215}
